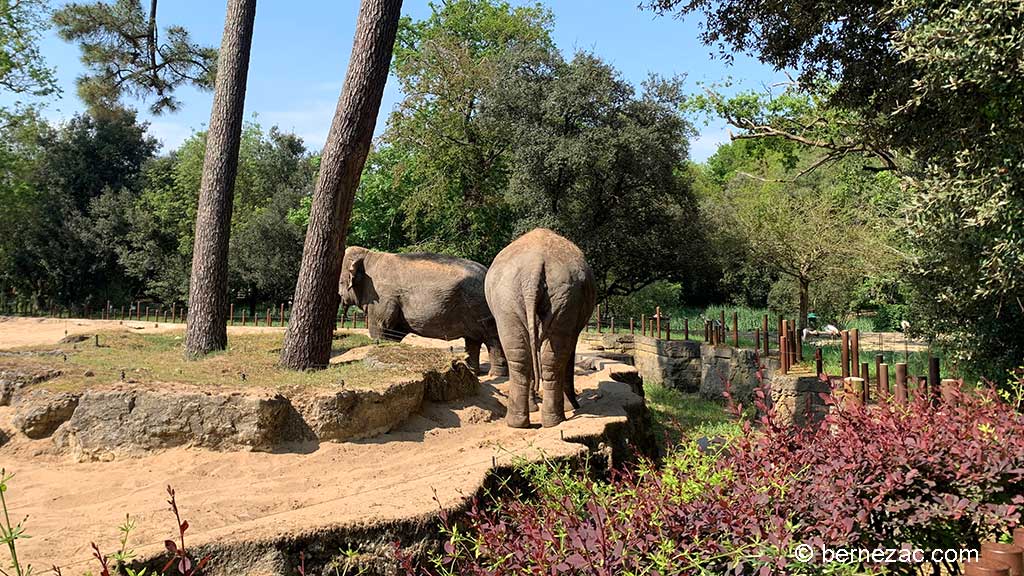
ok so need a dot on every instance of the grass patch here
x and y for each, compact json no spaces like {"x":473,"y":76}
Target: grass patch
{"x":678,"y":415}
{"x":250,"y":360}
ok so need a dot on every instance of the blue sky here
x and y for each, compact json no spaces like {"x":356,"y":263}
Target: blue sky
{"x":301,"y":50}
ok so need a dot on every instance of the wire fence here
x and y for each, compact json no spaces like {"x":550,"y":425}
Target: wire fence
{"x":242,"y":314}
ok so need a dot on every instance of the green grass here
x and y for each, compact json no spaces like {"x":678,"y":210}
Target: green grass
{"x":677,"y":415}
{"x":159,"y":359}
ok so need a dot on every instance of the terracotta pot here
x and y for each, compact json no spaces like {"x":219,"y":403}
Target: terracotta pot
{"x":986,"y":567}
{"x":1012,"y":556}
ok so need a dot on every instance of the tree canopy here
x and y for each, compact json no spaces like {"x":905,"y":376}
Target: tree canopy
{"x":932,"y":91}
{"x":123,"y":48}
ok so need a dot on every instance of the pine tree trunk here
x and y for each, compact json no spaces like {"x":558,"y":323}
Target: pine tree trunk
{"x":206,"y":329}
{"x":307,"y":343}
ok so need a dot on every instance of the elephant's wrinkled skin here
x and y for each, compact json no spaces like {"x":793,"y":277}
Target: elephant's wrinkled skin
{"x":431,"y":295}
{"x":542,"y":293}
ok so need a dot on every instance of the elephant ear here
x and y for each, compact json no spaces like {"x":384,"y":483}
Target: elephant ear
{"x":357,"y":277}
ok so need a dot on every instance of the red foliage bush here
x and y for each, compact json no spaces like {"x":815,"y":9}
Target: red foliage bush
{"x":927,"y":476}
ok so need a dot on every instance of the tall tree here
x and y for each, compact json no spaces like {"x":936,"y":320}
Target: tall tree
{"x":307,"y":343}
{"x":122,"y":47}
{"x":933,"y":90}
{"x":450,"y":67}
{"x":208,"y":299}
{"x":22,"y":68}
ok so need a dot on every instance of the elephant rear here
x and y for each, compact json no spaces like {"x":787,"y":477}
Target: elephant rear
{"x":542,"y":293}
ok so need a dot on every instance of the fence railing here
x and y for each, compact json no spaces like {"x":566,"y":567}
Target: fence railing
{"x":781,"y":341}
{"x":174,"y":313}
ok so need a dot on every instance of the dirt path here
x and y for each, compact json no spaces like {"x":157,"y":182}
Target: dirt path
{"x":443,"y":453}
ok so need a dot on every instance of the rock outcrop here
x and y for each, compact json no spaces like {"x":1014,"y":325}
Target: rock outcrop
{"x":130,"y":420}
{"x":357,"y":413}
{"x":109,"y":424}
{"x":40,"y":412}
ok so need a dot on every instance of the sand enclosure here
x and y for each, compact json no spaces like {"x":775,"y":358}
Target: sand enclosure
{"x":256,"y":510}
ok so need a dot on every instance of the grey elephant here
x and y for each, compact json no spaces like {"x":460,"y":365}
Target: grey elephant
{"x":431,"y":295}
{"x":541,"y":291}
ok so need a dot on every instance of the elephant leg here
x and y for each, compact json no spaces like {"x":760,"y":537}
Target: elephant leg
{"x":499,"y":366}
{"x":552,"y":373}
{"x":520,"y":371}
{"x":569,"y":382}
{"x":473,"y":354}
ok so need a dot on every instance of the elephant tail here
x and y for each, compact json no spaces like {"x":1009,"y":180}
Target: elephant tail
{"x":533,"y":300}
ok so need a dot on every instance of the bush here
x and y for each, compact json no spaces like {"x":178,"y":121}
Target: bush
{"x":923,"y":476}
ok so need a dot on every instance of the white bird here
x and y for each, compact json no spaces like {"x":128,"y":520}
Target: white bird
{"x":904,"y":325}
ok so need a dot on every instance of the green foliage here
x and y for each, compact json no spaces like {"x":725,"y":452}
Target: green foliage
{"x":11,"y":533}
{"x":498,"y":134}
{"x":677,"y":415}
{"x":68,"y":182}
{"x":451,"y":144}
{"x":94,"y":216}
{"x":813,"y":228}
{"x":932,"y":90}
{"x":122,"y":48}
{"x":22,"y":68}
{"x":604,"y":166}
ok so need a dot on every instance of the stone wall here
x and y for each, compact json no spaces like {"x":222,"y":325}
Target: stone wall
{"x":798,"y":399}
{"x":683,"y":365}
{"x":725,"y":366}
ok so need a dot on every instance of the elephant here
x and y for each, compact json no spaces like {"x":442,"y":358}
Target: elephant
{"x":542,"y":293}
{"x":430,"y":295}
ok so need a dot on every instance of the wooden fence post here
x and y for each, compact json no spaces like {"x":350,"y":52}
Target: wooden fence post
{"x":853,"y":391}
{"x":844,"y":354}
{"x":657,"y":319}
{"x":855,"y":352}
{"x":281,"y":316}
{"x":948,"y":389}
{"x":686,"y":328}
{"x":232,"y":313}
{"x":757,"y":339}
{"x":883,"y":381}
{"x":631,"y":327}
{"x":901,"y":382}
{"x":783,"y":356}
{"x":818,"y":368}
{"x":867,"y":381}
{"x":933,"y":376}
{"x":598,"y":318}
{"x":735,"y":330}
{"x":764,"y":329}
{"x":780,"y":335}
{"x":668,"y":327}
{"x":879,"y":360}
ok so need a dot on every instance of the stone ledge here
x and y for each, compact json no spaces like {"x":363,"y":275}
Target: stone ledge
{"x":128,"y":421}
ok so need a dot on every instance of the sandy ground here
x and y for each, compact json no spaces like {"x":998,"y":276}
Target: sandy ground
{"x":17,"y":332}
{"x":445,"y":453}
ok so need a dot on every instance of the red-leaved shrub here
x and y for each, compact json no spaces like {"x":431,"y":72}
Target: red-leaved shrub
{"x":925,"y":476}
